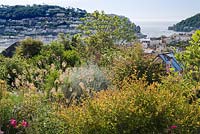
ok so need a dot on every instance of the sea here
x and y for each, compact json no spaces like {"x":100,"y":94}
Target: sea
{"x":156,"y":28}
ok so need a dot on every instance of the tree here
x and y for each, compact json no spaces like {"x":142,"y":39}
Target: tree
{"x":104,"y":31}
{"x":50,"y":54}
{"x":57,"y":54}
{"x":70,"y":42}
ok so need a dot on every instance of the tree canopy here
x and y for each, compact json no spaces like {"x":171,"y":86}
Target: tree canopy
{"x":30,"y":47}
{"x":119,"y":29}
{"x":102,"y":31}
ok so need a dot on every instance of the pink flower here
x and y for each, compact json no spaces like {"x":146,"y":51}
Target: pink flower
{"x":173,"y":127}
{"x":24,"y":123}
{"x":13,"y":123}
{"x":1,"y":132}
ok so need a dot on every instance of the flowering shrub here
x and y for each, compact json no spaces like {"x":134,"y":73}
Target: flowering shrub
{"x":24,"y":123}
{"x":30,"y":113}
{"x":138,"y":108}
{"x":13,"y":123}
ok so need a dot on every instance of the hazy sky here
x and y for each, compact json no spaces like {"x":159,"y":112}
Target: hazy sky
{"x":136,"y":10}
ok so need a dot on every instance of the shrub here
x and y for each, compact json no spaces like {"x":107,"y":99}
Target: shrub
{"x":41,"y":115}
{"x":71,"y":58}
{"x":50,"y":54}
{"x":11,"y":68}
{"x":51,"y":81}
{"x":190,"y":58}
{"x":83,"y":79}
{"x":31,"y":113}
{"x":55,"y":53}
{"x":132,"y":61}
{"x":30,"y":47}
{"x":138,"y":108}
{"x":8,"y":103}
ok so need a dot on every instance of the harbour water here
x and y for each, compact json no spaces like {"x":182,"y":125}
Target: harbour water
{"x":156,"y":28}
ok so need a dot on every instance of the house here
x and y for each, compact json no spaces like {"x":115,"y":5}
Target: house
{"x":149,"y":51}
{"x":145,"y":43}
{"x":171,"y":62}
{"x":2,"y":21}
{"x":60,"y":15}
{"x":9,"y":52}
{"x":166,"y":40}
{"x":155,"y":42}
{"x":153,"y":45}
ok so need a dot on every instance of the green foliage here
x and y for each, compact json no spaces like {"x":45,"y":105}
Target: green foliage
{"x":53,"y":53}
{"x":119,"y":29}
{"x":56,"y":54}
{"x":70,"y":42}
{"x":11,"y":69}
{"x":108,"y":57}
{"x":29,"y":48}
{"x":125,"y":64}
{"x":71,"y":58}
{"x":103,"y":31}
{"x":138,"y":108}
{"x":32,"y":107}
{"x":190,"y":58}
{"x":7,"y":109}
{"x":65,"y":41}
{"x":131,"y":61}
{"x":48,"y":124}
{"x":50,"y":81}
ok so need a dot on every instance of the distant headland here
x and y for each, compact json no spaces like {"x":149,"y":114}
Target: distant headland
{"x":187,"y":25}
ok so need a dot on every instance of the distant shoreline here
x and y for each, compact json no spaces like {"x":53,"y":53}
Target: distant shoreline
{"x":156,"y":28}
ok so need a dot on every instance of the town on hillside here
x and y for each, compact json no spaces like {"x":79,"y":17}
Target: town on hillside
{"x":177,"y":41}
{"x":44,"y":26}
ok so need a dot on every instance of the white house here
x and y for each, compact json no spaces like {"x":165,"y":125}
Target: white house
{"x":145,"y":43}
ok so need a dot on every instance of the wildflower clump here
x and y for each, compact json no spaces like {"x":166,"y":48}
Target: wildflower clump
{"x":13,"y":123}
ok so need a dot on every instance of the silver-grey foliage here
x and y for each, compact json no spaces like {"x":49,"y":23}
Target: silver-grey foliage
{"x":83,"y":80}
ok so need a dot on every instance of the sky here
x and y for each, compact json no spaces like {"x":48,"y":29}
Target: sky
{"x":136,"y":10}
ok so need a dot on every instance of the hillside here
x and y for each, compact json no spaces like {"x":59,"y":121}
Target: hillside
{"x":22,"y":12}
{"x":187,"y":25}
{"x":39,"y":20}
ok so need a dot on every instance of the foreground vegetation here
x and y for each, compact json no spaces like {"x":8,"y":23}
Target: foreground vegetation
{"x":91,"y":84}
